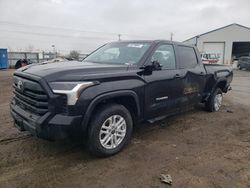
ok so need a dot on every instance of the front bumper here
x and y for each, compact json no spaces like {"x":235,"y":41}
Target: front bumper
{"x":49,"y":126}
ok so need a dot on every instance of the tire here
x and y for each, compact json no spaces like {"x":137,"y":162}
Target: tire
{"x":215,"y":100}
{"x":100,"y":130}
{"x":240,"y":67}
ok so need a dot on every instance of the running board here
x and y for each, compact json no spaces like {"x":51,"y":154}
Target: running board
{"x":157,"y":119}
{"x":182,"y":110}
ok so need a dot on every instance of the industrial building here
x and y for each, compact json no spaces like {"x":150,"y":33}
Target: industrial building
{"x":229,"y":42}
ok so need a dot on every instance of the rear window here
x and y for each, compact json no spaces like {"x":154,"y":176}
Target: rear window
{"x":187,"y":57}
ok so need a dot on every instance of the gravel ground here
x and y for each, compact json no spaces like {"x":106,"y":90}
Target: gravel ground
{"x":198,"y":149}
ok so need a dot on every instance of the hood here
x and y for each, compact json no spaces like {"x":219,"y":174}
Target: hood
{"x":73,"y":70}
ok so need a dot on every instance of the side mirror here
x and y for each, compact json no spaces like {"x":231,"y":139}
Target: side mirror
{"x":148,"y":69}
{"x":156,"y":65}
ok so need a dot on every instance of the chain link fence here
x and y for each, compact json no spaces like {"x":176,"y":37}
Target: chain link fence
{"x":34,"y":57}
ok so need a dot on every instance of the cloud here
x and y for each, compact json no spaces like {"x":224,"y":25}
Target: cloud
{"x":137,"y":19}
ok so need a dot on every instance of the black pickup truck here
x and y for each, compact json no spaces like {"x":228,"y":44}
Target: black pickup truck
{"x":116,"y":87}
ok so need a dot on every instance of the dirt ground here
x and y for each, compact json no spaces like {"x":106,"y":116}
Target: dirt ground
{"x":198,"y":149}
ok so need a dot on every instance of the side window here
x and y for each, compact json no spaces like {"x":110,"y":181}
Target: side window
{"x":187,"y":57}
{"x":164,"y":54}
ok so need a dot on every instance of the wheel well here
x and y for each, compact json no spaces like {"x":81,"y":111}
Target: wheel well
{"x":222,"y":85}
{"x":127,"y":101}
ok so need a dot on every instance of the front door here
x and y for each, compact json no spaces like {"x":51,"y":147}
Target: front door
{"x":163,"y":88}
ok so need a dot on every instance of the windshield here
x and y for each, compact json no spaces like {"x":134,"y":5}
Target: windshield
{"x":119,"y":53}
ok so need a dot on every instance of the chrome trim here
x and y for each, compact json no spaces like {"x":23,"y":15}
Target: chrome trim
{"x":162,"y":98}
{"x":72,"y":95}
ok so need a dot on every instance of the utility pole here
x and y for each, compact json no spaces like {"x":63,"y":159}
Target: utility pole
{"x":119,"y":37}
{"x":54,"y":50}
{"x":171,"y":36}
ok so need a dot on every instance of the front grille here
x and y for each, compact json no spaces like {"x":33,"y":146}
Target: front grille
{"x":30,"y":96}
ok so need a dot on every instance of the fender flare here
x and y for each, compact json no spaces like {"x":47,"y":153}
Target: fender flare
{"x":106,"y":96}
{"x":218,"y":82}
{"x":222,"y":78}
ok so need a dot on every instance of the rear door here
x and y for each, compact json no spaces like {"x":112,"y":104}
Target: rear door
{"x":193,"y":76}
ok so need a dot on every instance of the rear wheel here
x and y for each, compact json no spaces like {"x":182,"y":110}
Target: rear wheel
{"x":215,"y":101}
{"x":110,"y":130}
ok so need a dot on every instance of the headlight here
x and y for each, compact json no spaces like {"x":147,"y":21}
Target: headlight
{"x":71,"y":89}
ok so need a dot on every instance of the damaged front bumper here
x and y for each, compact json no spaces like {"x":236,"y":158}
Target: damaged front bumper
{"x":49,"y":126}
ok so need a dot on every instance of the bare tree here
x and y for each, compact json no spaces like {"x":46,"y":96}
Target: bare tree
{"x":30,"y":48}
{"x":10,"y":49}
{"x":74,"y":55}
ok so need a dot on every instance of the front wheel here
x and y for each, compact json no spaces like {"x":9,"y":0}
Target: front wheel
{"x":110,"y":130}
{"x":215,"y":101}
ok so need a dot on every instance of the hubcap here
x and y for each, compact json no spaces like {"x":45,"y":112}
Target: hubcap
{"x":217,"y":101}
{"x":112,"y":132}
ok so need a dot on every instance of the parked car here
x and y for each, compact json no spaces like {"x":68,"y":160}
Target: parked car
{"x":22,"y":63}
{"x":244,"y":63}
{"x":116,"y":87}
{"x":208,"y":58}
{"x":55,"y":60}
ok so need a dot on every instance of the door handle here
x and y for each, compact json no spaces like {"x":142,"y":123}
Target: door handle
{"x":202,"y":73}
{"x":177,"y":76}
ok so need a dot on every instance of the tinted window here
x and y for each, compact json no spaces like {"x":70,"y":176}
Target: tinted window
{"x":187,"y":56}
{"x":164,"y":54}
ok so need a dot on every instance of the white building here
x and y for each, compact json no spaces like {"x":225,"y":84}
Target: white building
{"x":229,"y":42}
